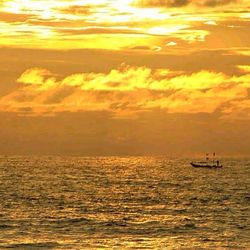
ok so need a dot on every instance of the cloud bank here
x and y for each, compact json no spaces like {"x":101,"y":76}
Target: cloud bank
{"x":128,"y":91}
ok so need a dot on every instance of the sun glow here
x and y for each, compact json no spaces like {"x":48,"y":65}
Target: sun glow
{"x":67,"y":21}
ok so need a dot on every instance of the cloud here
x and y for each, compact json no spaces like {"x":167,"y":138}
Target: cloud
{"x":77,"y":9}
{"x":237,"y":110}
{"x":244,"y":68}
{"x":36,"y":76}
{"x":163,"y":3}
{"x":182,"y":3}
{"x":214,"y":3}
{"x":120,"y":25}
{"x":100,"y":30}
{"x":171,"y":44}
{"x":127,"y":91}
{"x":146,"y":48}
{"x":14,"y":17}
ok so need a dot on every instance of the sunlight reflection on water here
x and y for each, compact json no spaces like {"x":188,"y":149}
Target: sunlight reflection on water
{"x":122,"y":203}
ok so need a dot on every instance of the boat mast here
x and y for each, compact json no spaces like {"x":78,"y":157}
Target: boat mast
{"x":207,"y":158}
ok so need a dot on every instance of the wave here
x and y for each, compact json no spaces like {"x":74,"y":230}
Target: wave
{"x":36,"y":245}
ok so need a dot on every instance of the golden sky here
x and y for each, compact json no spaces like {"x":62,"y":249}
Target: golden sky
{"x":155,"y":74}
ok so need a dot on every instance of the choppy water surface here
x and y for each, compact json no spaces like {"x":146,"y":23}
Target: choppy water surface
{"x":122,"y":203}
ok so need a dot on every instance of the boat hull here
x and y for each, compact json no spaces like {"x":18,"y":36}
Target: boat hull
{"x":196,"y":165}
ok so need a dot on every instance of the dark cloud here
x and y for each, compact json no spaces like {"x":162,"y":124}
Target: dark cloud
{"x":90,"y":31}
{"x":56,"y":23}
{"x":58,"y":95}
{"x":14,"y":17}
{"x":181,"y":3}
{"x":77,"y":10}
{"x":25,"y":110}
{"x":163,"y":3}
{"x":214,"y":3}
{"x":142,"y":47}
{"x":81,"y":9}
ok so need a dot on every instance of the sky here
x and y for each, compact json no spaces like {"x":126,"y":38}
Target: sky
{"x":125,"y":77}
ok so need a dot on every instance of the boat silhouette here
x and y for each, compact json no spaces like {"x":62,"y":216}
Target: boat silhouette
{"x":207,"y":163}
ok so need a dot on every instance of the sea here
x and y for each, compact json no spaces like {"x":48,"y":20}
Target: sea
{"x":53,"y":202}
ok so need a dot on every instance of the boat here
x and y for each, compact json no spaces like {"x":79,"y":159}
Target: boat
{"x":207,"y":164}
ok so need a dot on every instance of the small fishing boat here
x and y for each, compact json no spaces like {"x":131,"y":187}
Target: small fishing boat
{"x":207,"y":164}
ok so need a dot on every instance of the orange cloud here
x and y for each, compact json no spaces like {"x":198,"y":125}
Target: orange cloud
{"x":127,"y":90}
{"x":244,"y":68}
{"x":123,"y":24}
{"x":34,"y":76}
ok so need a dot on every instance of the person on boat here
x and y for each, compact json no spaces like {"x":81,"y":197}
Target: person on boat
{"x":217,"y":162}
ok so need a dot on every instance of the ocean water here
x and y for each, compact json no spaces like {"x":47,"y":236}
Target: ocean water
{"x":123,"y":203}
